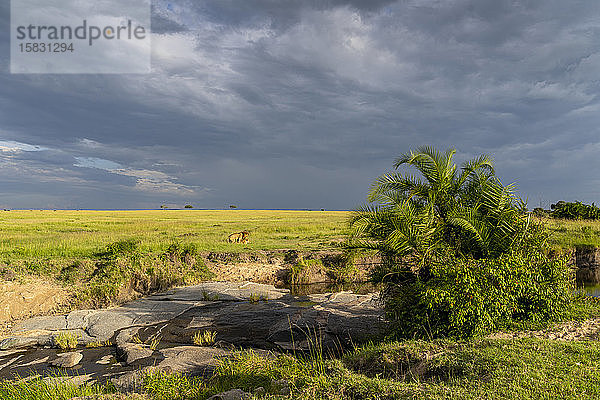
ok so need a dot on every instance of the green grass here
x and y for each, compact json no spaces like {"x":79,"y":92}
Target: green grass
{"x":52,"y":235}
{"x":204,"y":338}
{"x":66,"y":340}
{"x":483,"y":369}
{"x":572,"y":233}
{"x":38,"y":389}
{"x":39,"y":237}
{"x":112,"y":256}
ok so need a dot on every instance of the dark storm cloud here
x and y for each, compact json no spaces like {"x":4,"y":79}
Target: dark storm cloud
{"x":274,"y":104}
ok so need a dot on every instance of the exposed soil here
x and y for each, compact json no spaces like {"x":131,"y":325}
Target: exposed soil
{"x":259,"y":272}
{"x":568,"y":331}
{"x":28,"y":298}
{"x":273,"y":267}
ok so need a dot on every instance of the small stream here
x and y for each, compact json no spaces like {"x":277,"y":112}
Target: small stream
{"x":591,"y":289}
{"x":328,"y":287}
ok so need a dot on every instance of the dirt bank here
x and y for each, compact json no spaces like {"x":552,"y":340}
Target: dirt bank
{"x":21,"y":299}
{"x":282,"y":267}
{"x":24,"y":297}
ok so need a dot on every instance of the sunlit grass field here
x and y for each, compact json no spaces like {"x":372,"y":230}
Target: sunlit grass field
{"x":53,"y":235}
{"x":81,"y":234}
{"x":569,"y":233}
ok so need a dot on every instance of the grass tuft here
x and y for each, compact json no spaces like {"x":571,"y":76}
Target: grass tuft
{"x":66,"y":340}
{"x":204,"y":338}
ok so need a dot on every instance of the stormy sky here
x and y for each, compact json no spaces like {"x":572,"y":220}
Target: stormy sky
{"x":277,"y":104}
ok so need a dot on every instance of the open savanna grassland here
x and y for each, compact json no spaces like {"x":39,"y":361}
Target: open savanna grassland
{"x":108,"y":257}
{"x":566,"y":233}
{"x":55,"y":235}
{"x":101,"y":258}
{"x":52,"y":235}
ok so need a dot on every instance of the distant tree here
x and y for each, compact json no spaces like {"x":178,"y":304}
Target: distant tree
{"x":576,"y":210}
{"x":188,"y":206}
{"x":232,"y":207}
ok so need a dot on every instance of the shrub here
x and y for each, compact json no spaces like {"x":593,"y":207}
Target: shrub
{"x":76,"y":271}
{"x":119,"y":248}
{"x":465,"y":297}
{"x":185,"y":253}
{"x":300,"y":272}
{"x":123,"y":277}
{"x":461,"y":255}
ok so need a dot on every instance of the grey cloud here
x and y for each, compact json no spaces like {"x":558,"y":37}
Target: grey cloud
{"x":302,"y":104}
{"x":280,"y":15}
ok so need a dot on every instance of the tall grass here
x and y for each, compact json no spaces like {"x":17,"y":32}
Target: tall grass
{"x":45,"y":389}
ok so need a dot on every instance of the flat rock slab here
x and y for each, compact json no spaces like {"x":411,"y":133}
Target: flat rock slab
{"x":288,"y":323}
{"x":191,"y":360}
{"x":226,"y":291}
{"x":279,"y":321}
{"x":39,"y":361}
{"x":67,"y":360}
{"x":132,"y":352}
{"x":102,"y":325}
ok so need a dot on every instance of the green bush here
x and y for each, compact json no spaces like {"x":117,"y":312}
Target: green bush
{"x":461,"y":254}
{"x":126,"y":273}
{"x":466,"y":297}
{"x":119,"y":248}
{"x":185,"y":253}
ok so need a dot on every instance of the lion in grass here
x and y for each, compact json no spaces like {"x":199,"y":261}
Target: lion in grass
{"x":239,"y":237}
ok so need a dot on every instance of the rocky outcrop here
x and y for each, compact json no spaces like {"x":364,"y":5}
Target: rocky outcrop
{"x":247,"y":314}
{"x":161,"y":332}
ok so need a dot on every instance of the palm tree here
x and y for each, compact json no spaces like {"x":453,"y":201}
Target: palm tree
{"x":467,"y":211}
